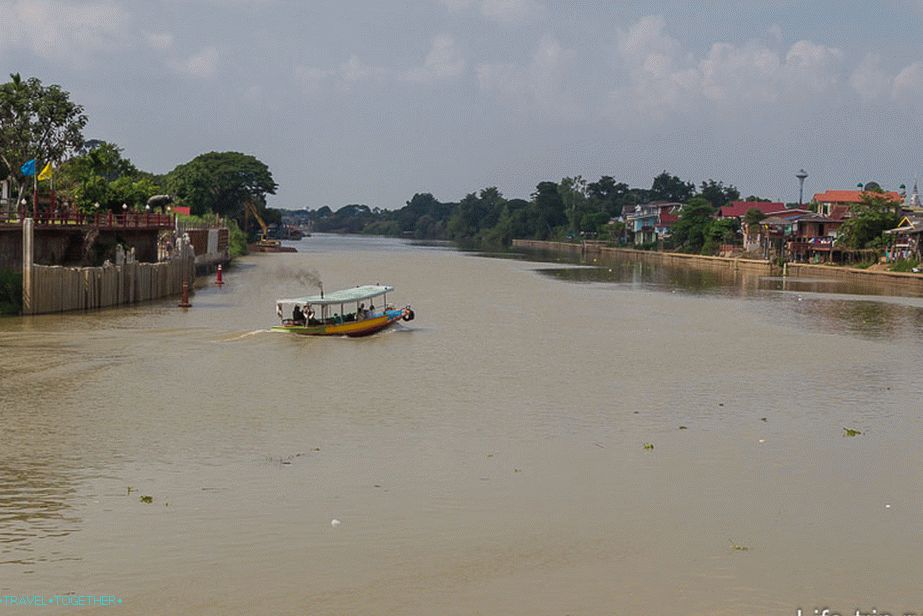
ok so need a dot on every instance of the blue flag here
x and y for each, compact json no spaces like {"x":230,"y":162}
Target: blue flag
{"x":28,"y":168}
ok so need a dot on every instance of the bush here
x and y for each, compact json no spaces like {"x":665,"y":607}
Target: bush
{"x":237,"y":239}
{"x":904,"y":265}
{"x":10,"y":292}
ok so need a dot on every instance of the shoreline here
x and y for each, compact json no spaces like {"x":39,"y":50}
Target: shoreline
{"x":766,"y":268}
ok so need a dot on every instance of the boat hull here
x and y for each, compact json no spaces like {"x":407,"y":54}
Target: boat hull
{"x":353,"y":329}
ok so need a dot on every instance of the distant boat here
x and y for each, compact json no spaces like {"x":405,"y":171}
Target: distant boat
{"x":342,"y":313}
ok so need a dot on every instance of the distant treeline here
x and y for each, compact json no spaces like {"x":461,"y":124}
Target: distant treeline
{"x":555,"y":210}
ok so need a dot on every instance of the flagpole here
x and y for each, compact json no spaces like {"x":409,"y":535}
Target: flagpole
{"x":35,"y":196}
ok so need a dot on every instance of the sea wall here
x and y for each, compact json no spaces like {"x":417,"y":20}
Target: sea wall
{"x":898,"y":279}
{"x":648,"y":256}
{"x":58,"y":289}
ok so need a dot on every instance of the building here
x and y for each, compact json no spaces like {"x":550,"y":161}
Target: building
{"x":650,"y":222}
{"x":906,"y":240}
{"x":836,"y":203}
{"x":738,"y":209}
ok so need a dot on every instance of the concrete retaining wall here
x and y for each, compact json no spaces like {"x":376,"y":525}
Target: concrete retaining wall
{"x":899,"y":280}
{"x":58,"y":289}
{"x":902,"y":279}
{"x":647,"y":256}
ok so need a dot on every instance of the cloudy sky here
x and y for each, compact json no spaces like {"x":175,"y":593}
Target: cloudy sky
{"x":370,"y":101}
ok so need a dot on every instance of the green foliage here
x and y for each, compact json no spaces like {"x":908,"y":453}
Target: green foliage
{"x":668,"y":187}
{"x":237,"y":239}
{"x":221,"y":182}
{"x":36,"y":121}
{"x":754,"y":216}
{"x":10,"y":292}
{"x":904,"y":265}
{"x":868,"y":221}
{"x":102,"y":175}
{"x":690,"y":232}
{"x":718,"y":194}
{"x":719,"y":231}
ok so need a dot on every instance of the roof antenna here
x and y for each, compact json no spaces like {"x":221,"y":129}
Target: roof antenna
{"x":321,"y":285}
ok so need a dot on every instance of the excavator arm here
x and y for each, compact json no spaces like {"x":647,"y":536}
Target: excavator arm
{"x":251,"y":210}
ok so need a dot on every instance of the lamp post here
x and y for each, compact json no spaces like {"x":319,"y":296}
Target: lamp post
{"x":802,"y":175}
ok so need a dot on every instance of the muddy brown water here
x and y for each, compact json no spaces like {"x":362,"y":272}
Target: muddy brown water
{"x":486,"y":458}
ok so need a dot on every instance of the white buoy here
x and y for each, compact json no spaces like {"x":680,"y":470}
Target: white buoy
{"x":334,"y":522}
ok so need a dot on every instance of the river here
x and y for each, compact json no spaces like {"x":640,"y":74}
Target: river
{"x":486,"y":458}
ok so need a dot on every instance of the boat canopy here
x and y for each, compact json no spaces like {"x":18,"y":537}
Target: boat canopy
{"x":356,"y":294}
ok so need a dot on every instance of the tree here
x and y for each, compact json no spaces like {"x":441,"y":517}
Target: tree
{"x":719,"y":231}
{"x":221,"y":182}
{"x":573,"y":193}
{"x":608,"y":194}
{"x":718,"y":194}
{"x":668,"y":187}
{"x":689,"y":232}
{"x":37,"y":122}
{"x":549,"y":209}
{"x":754,"y":216}
{"x":102,"y":175}
{"x":868,"y":220}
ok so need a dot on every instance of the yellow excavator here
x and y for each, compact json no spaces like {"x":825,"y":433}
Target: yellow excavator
{"x":264,"y":243}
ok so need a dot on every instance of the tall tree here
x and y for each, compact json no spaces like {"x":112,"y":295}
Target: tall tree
{"x":689,"y":232}
{"x":549,"y":209}
{"x":668,"y":187}
{"x":221,"y":182}
{"x":868,"y":220}
{"x":36,"y":121}
{"x":718,"y":194}
{"x":102,"y":175}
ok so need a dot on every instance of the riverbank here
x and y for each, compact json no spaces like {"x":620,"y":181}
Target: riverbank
{"x":899,"y":280}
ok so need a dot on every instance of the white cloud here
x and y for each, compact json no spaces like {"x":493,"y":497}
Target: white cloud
{"x":870,"y":80}
{"x":908,"y":84}
{"x":542,"y":85}
{"x":663,"y":77}
{"x":202,"y":64}
{"x":62,"y":30}
{"x":161,"y":41}
{"x":503,"y":11}
{"x":443,"y":61}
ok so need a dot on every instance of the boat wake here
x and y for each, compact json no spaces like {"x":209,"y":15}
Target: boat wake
{"x":246,"y":335}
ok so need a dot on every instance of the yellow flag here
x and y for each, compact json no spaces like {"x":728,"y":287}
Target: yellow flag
{"x":46,"y":172}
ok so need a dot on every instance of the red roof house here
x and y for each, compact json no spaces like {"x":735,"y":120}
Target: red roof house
{"x":737,"y":209}
{"x":838,"y":202}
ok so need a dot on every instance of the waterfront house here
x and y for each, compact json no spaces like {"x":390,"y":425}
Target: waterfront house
{"x":812,"y":238}
{"x":650,"y":222}
{"x":906,"y":240}
{"x":739,"y":209}
{"x":777,"y":225}
{"x":836,"y":203}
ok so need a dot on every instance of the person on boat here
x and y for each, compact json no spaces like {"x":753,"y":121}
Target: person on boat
{"x":309,"y":316}
{"x":360,"y":313}
{"x":371,"y":312}
{"x":297,"y":315}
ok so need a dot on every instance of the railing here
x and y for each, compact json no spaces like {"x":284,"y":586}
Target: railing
{"x":138,"y":220}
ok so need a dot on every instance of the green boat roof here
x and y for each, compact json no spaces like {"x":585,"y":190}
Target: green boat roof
{"x":345,"y":296}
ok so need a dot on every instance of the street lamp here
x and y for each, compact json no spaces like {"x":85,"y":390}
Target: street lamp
{"x":802,"y":176}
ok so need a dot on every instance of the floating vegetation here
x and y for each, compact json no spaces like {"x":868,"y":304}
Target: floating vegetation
{"x":851,"y":432}
{"x":739,"y":548}
{"x":683,"y":428}
{"x":763,"y":419}
{"x":649,"y":446}
{"x":130,"y":489}
{"x":147,"y":499}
